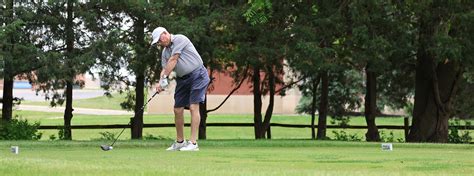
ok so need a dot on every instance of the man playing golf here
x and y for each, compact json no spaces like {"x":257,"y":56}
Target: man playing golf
{"x":180,"y":55}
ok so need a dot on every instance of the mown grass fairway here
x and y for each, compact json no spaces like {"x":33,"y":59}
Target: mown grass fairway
{"x":235,"y":157}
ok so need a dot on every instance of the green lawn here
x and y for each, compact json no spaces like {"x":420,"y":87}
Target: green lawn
{"x":235,"y":157}
{"x":102,"y":102}
{"x":212,"y":132}
{"x":228,"y":151}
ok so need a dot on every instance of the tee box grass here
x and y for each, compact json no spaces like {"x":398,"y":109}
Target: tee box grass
{"x":228,"y":151}
{"x":235,"y":157}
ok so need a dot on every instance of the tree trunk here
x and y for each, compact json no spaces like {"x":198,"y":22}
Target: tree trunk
{"x":371,"y":105}
{"x":269,"y":132}
{"x":203,"y":113}
{"x":269,"y":112}
{"x":7,"y":97}
{"x":8,"y":76}
{"x":433,"y":98}
{"x":137,"y":121}
{"x":323,"y":105}
{"x":257,"y":103}
{"x":71,"y":74}
{"x":68,"y":112}
{"x":435,"y":88}
{"x":202,"y":124}
{"x":314,"y":90}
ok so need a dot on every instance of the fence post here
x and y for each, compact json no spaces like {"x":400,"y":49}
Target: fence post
{"x":406,"y":125}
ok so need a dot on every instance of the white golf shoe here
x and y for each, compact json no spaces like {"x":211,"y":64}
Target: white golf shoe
{"x":176,"y":146}
{"x":190,"y":147}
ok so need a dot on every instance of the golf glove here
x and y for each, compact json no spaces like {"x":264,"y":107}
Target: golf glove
{"x":164,"y":83}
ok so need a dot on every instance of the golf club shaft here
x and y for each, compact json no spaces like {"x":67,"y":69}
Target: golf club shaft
{"x":119,"y":135}
{"x":143,"y":107}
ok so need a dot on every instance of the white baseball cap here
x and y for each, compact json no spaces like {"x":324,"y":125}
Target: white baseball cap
{"x":156,"y":34}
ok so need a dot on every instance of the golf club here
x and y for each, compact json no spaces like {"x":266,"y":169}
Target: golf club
{"x":110,"y":147}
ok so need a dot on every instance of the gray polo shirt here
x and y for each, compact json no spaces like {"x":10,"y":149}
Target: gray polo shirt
{"x":189,"y":59}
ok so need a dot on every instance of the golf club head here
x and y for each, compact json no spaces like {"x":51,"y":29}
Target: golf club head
{"x":106,"y":147}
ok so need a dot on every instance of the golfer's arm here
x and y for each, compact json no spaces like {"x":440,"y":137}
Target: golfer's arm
{"x":170,"y":65}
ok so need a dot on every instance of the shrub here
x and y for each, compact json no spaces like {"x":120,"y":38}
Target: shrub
{"x":454,"y":133}
{"x":52,"y":137}
{"x":17,"y":129}
{"x":343,"y":136}
{"x":390,"y":137}
{"x":340,"y":120}
{"x":159,"y":137}
{"x":107,"y":136}
{"x":61,"y":133}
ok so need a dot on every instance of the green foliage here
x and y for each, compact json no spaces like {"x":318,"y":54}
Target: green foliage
{"x":61,"y":134}
{"x":340,"y":120}
{"x":304,"y":105}
{"x":463,"y":104}
{"x":17,"y":129}
{"x":52,"y":137}
{"x":455,"y":134}
{"x":258,"y":12}
{"x":129,"y":102}
{"x":390,"y":137}
{"x":127,"y":47}
{"x":107,"y":136}
{"x":344,"y":88}
{"x":409,"y":109}
{"x":19,"y":51}
{"x":159,"y":137}
{"x":67,"y":50}
{"x":343,"y":136}
{"x":344,"y":91}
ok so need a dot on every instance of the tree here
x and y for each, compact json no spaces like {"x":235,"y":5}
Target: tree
{"x":370,"y":26}
{"x":127,"y":25}
{"x":317,"y":33}
{"x":206,"y":24}
{"x":444,"y":53}
{"x":67,"y":53}
{"x":354,"y":38}
{"x":264,"y":54}
{"x":210,"y":26}
{"x":18,"y":51}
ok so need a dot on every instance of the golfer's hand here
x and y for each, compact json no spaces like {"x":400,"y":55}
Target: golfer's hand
{"x":164,"y":83}
{"x":159,"y":89}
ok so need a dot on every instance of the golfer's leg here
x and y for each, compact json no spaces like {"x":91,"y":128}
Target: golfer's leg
{"x":195,"y":120}
{"x":179,"y":123}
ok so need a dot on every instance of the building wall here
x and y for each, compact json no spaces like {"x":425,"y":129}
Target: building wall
{"x":89,"y":82}
{"x":236,"y":104}
{"x":241,"y":102}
